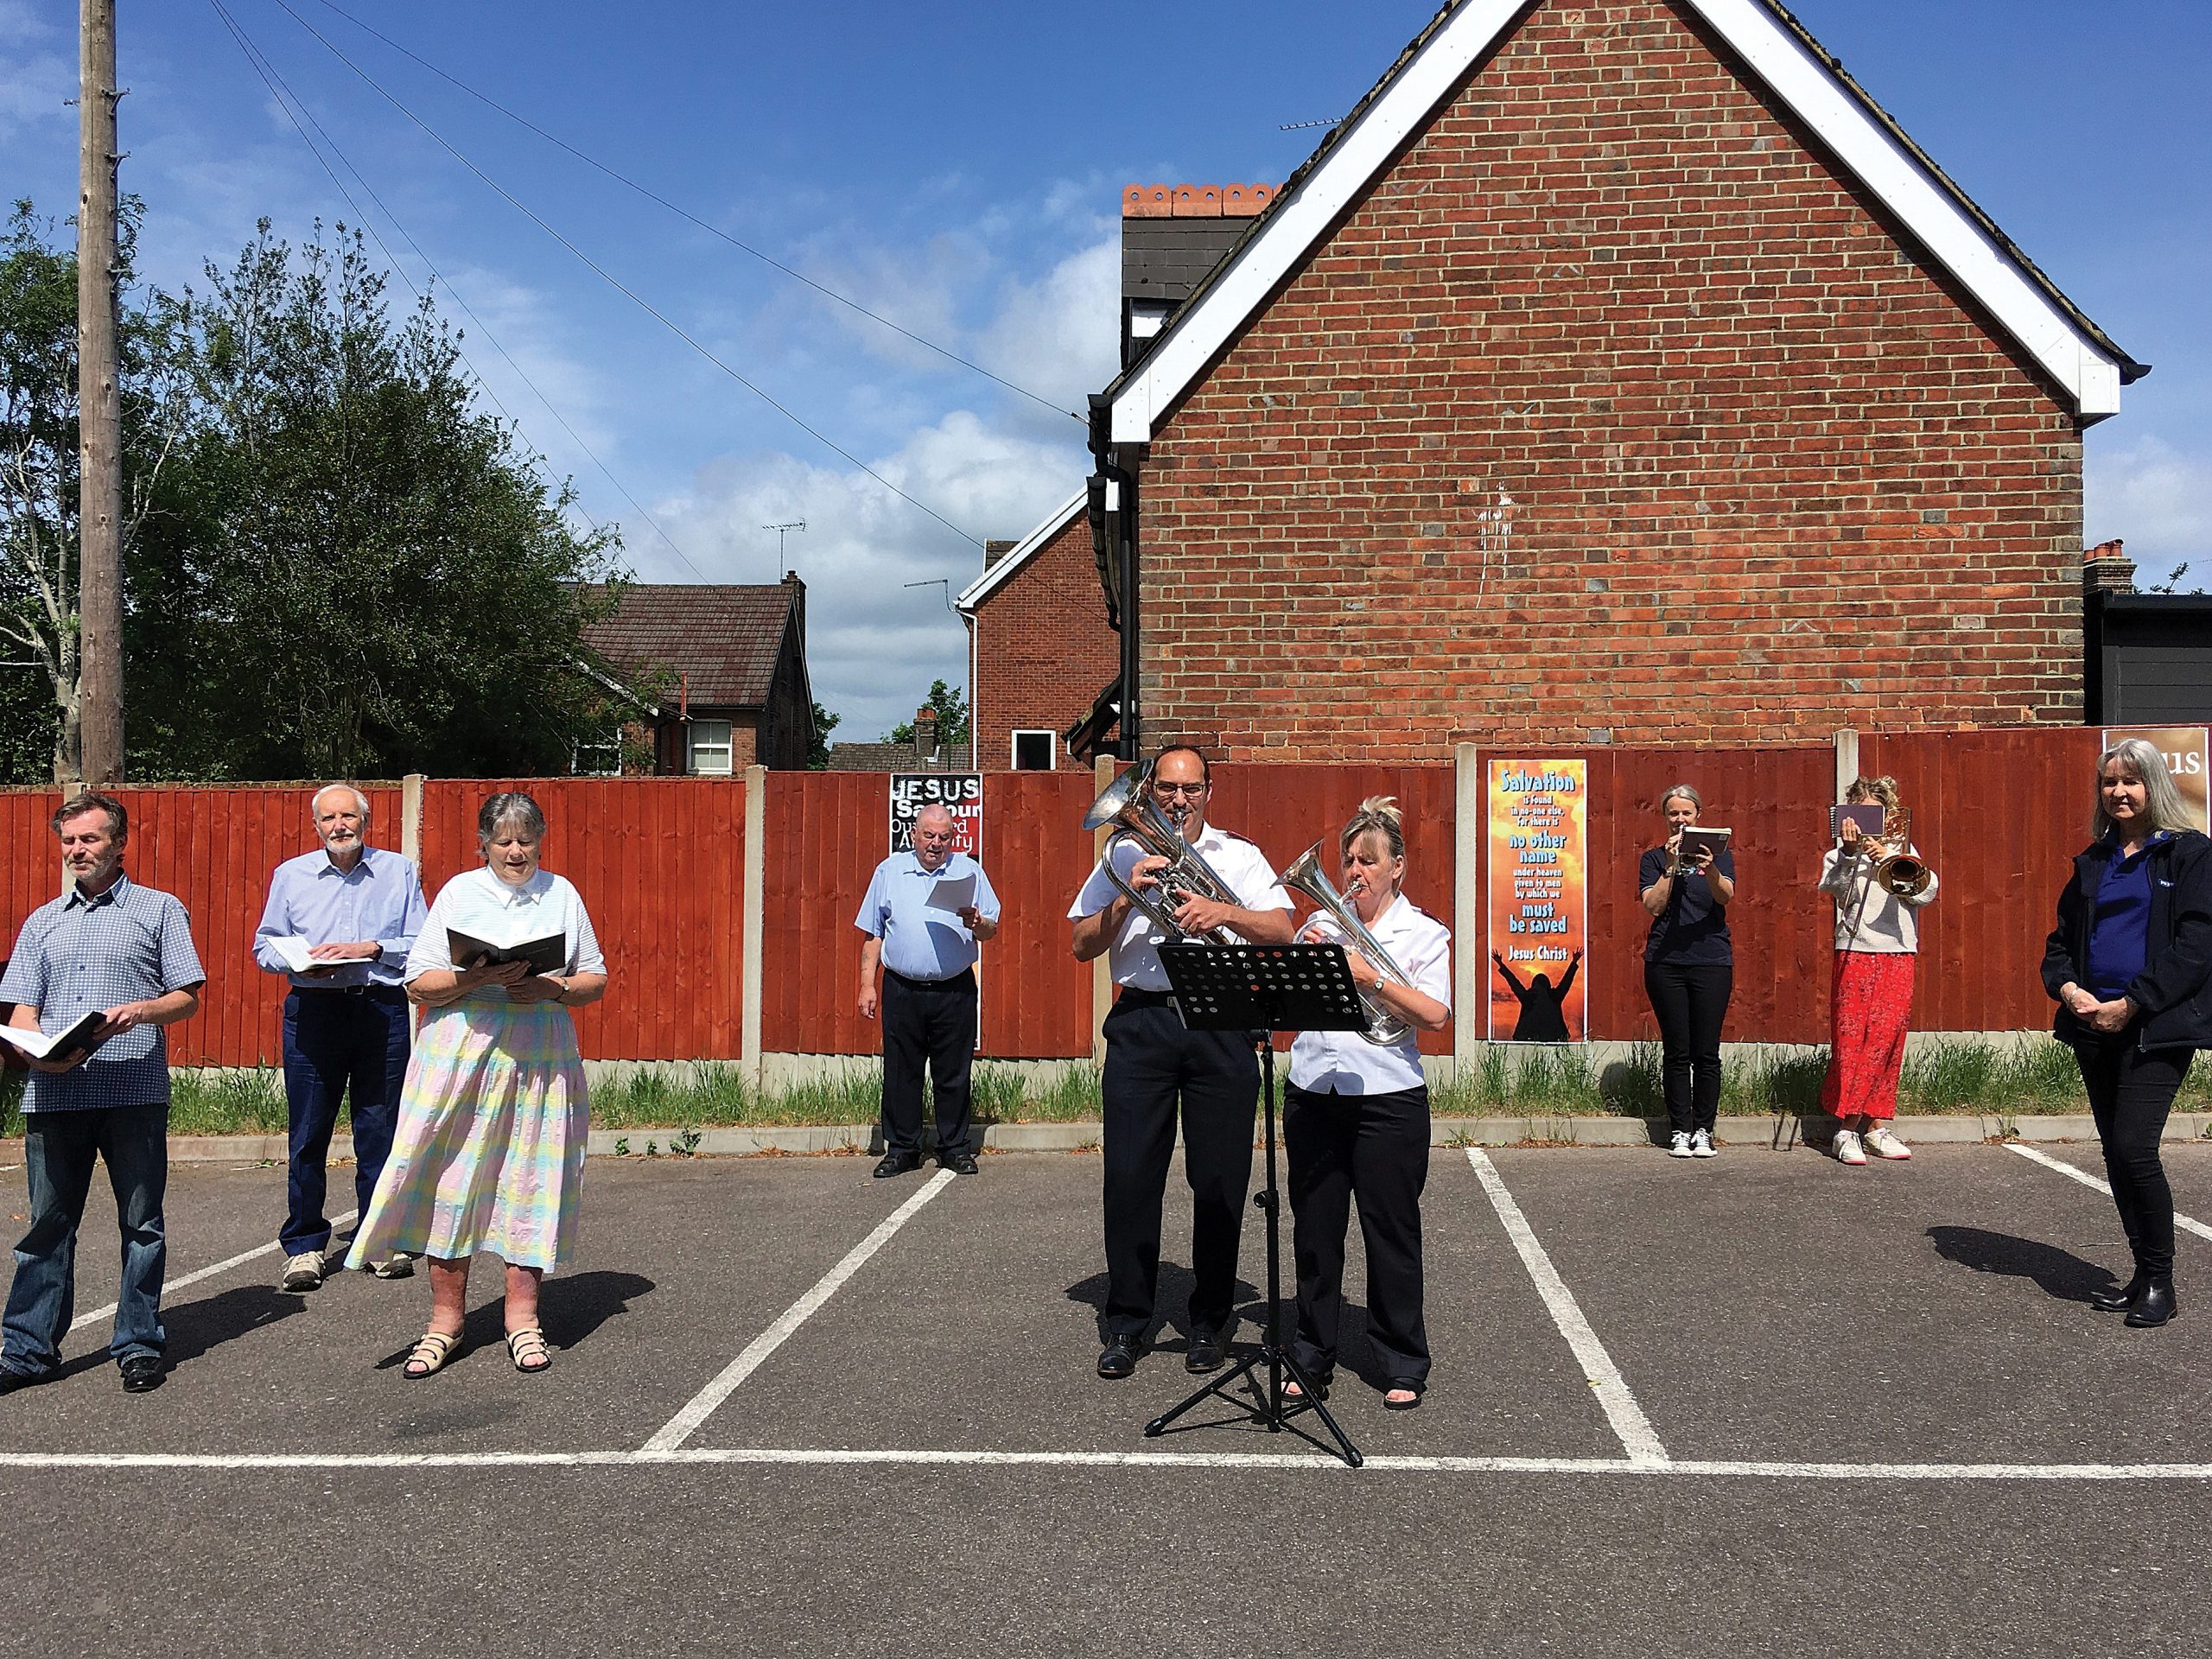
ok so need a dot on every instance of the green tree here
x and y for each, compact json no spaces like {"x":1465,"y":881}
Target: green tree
{"x":399,"y":589}
{"x":951,"y":709}
{"x":818,"y":744}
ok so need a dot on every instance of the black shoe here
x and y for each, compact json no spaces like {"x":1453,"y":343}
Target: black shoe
{"x":1119,"y":1357}
{"x":2119,"y":1300}
{"x":960,"y":1163}
{"x":1204,"y":1354}
{"x":142,"y":1373}
{"x":898,"y":1163}
{"x":11,"y":1379}
{"x":2155,"y":1305}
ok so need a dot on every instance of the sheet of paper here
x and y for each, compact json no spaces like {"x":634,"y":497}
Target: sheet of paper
{"x":294,"y":949}
{"x":953,"y":893}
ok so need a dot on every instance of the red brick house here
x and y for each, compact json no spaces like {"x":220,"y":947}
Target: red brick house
{"x":1039,"y":641}
{"x":715,"y":673}
{"x":1617,"y":370}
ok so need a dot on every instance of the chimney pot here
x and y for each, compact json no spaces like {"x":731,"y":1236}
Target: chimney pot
{"x":2106,"y":569}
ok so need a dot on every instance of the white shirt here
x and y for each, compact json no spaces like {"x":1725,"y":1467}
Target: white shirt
{"x":1134,"y":957}
{"x":1345,"y":1063}
{"x":480,"y":904}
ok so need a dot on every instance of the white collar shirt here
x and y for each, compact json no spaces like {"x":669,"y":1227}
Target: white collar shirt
{"x":1345,"y":1062}
{"x":485,"y":907}
{"x":1134,"y":957}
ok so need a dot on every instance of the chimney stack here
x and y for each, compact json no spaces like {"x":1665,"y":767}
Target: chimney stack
{"x":995,"y":549}
{"x":2106,"y":569}
{"x":926,"y":735}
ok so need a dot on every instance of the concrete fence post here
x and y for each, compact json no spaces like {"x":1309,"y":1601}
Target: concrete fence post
{"x":1101,"y":972}
{"x":751,"y":1061}
{"x":1468,"y":980}
{"x":1846,"y":760}
{"x":410,"y":817}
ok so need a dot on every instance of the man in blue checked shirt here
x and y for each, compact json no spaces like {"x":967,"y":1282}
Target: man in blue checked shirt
{"x":355,"y":909}
{"x":110,"y":946}
{"x":928,"y":956}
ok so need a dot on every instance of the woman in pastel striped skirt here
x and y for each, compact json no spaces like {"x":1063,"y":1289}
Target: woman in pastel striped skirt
{"x":489,"y":1150}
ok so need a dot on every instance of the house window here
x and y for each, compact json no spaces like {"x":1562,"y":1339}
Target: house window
{"x":1033,"y":751}
{"x":601,"y":760}
{"x":710,"y":747}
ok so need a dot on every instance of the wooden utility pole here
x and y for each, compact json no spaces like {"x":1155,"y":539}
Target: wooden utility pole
{"x":99,"y":409}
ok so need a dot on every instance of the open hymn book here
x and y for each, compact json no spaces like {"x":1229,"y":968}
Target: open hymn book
{"x":546,"y":956}
{"x":295,"y":950}
{"x":62,"y":1044}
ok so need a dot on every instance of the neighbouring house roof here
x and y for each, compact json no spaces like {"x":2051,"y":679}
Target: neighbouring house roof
{"x":1859,"y":137}
{"x":899,"y":757}
{"x":1004,"y":570}
{"x":722,"y":641}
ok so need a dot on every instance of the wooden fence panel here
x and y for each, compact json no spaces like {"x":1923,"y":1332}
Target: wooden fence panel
{"x":1036,"y":994}
{"x":826,"y":832}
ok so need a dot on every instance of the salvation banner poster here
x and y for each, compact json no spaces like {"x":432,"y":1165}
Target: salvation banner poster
{"x":1539,"y":901}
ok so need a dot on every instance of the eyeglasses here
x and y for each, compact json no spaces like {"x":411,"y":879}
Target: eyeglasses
{"x":1179,"y":788}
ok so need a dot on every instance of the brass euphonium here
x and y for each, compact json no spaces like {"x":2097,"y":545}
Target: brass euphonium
{"x":1138,"y":820}
{"x":1304,"y":875}
{"x":1897,"y":870}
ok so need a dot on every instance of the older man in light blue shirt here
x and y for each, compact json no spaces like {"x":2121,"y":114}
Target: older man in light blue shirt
{"x":353,"y":911}
{"x":924,"y":938}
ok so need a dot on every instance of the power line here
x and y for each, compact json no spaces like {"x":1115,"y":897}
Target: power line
{"x":685,"y":214}
{"x":287,"y":100}
{"x":620,"y":286}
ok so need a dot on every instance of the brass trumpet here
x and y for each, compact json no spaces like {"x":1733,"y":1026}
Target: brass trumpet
{"x":1384,"y":1029}
{"x":1138,"y":820}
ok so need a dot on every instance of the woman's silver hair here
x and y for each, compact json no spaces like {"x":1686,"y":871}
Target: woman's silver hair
{"x":1686,"y":792}
{"x":2162,"y":802}
{"x":1379,"y":814}
{"x":509,"y":809}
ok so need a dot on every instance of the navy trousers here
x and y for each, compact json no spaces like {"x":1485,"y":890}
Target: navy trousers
{"x":336,"y":1042}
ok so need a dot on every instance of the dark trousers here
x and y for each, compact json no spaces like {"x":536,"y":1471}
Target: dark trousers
{"x":927,"y":1022}
{"x":335,"y":1041}
{"x":1154,"y":1066}
{"x":2131,"y":1090}
{"x":1374,"y":1148}
{"x":58,"y":1149}
{"x":1690,"y":999}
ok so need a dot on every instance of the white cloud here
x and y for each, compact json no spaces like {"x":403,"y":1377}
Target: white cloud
{"x":39,"y":81}
{"x":1059,"y":335}
{"x":2159,"y":500}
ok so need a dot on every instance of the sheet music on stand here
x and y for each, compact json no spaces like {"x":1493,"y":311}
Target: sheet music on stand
{"x":1263,"y":987}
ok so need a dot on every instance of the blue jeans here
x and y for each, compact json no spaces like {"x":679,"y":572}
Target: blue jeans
{"x":333,"y":1039}
{"x":59,"y":1148}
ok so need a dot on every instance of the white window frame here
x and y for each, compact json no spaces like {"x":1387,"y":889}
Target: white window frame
{"x":1051,"y":748}
{"x":696,"y":744}
{"x":611,"y":749}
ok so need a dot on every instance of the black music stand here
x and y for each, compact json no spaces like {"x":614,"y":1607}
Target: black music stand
{"x":1262,"y":989}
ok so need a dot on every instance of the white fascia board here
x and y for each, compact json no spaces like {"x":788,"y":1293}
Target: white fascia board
{"x":1300,"y":223}
{"x":1799,"y":79}
{"x":1022,"y":551}
{"x":2088,"y":375}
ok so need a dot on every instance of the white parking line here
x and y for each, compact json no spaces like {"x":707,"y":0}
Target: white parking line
{"x":1637,"y":1435}
{"x":95,"y":1315}
{"x":680,"y":1428}
{"x":2187,"y":1223}
{"x":1644,"y":1469}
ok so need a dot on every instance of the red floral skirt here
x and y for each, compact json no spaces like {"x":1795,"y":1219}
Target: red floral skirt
{"x":1870,"y":1005}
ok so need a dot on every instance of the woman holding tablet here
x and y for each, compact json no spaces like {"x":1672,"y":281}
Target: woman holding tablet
{"x":1688,"y":970}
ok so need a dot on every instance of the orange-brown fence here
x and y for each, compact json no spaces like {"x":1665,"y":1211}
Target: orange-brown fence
{"x":661,"y":863}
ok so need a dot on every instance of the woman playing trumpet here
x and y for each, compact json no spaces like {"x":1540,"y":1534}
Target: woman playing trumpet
{"x":1355,"y":1120}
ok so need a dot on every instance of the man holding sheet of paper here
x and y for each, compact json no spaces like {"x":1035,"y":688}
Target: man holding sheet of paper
{"x":339,"y":924}
{"x":925,"y":912}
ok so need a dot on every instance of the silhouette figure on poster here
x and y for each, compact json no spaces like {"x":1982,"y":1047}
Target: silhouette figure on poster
{"x":1543,"y":1016}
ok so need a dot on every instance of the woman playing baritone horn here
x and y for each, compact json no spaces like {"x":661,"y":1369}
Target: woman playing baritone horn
{"x":1355,"y":1123}
{"x":1870,"y":1000}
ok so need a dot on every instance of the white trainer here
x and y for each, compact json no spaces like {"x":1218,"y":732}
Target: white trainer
{"x":1883,"y":1144}
{"x":1679,"y":1145}
{"x":1701,"y":1145}
{"x":302,"y":1272}
{"x":1846,"y":1148}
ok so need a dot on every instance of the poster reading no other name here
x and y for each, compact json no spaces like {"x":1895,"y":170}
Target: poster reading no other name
{"x":1539,"y":901}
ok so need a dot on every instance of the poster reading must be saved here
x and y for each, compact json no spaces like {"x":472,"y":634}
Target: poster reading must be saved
{"x":1538,"y":900}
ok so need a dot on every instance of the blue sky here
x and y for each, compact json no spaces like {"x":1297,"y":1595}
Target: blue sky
{"x":958,"y":167}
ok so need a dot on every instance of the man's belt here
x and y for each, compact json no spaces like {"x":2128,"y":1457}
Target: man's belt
{"x":379,"y":991}
{"x":965,"y":976}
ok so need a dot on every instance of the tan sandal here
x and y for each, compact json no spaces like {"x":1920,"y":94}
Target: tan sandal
{"x":430,"y":1354}
{"x":526,"y":1347}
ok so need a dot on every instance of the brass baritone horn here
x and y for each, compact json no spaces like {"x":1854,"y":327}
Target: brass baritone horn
{"x":1304,"y":875}
{"x":1137,"y":819}
{"x":1896,"y":869}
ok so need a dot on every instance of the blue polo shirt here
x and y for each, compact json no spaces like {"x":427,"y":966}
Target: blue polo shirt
{"x":2120,"y":925}
{"x":74,"y":955}
{"x":919,"y":943}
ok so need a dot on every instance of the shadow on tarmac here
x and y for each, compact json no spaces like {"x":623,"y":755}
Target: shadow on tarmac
{"x":197,"y":1328}
{"x":570,"y":1310}
{"x":2057,"y":1273}
{"x":1171,"y":1301}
